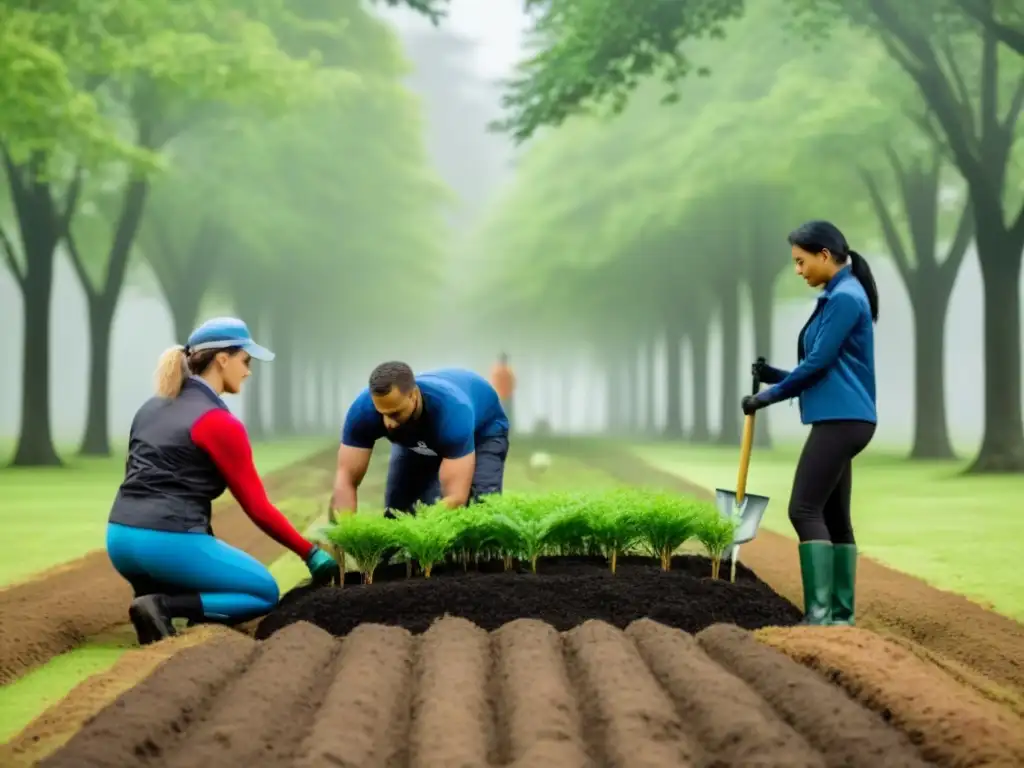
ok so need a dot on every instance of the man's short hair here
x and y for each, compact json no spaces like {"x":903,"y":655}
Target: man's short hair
{"x":392,"y":374}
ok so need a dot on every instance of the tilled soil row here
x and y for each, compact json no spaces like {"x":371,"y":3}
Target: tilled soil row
{"x":887,"y":600}
{"x":523,"y":695}
{"x":952,"y":724}
{"x":58,"y":611}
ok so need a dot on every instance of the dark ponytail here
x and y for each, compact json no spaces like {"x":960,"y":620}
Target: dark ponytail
{"x":861,"y":270}
{"x":819,"y":236}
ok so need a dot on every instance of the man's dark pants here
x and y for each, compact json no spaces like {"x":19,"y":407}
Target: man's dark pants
{"x":414,"y":477}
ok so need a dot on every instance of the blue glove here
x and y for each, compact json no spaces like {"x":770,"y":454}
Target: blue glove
{"x":322,"y":567}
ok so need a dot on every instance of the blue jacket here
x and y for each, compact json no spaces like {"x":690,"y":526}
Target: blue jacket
{"x":835,"y":377}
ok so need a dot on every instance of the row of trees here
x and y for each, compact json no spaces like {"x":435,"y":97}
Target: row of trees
{"x":903,"y":126}
{"x":263,"y":157}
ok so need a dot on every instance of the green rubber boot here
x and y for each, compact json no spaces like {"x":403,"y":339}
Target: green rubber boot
{"x":844,"y":584}
{"x":817,"y":564}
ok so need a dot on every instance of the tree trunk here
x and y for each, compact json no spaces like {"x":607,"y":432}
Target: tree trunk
{"x":35,"y":442}
{"x":184,"y":303}
{"x":41,"y":227}
{"x":1002,"y":447}
{"x":673,"y":386}
{"x":633,"y":417}
{"x":762,"y":307}
{"x":729,"y":433}
{"x":651,"y":401}
{"x":96,"y":439}
{"x":613,"y":394}
{"x":282,"y":404}
{"x":931,"y":436}
{"x":319,"y":396}
{"x":102,"y":303}
{"x":700,"y":432}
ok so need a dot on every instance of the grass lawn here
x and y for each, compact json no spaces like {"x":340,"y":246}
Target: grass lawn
{"x":961,"y":534}
{"x":49,"y":516}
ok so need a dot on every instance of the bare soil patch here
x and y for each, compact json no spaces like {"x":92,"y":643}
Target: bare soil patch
{"x":888,"y":601}
{"x":56,"y":725}
{"x":951,"y":724}
{"x":523,"y":695}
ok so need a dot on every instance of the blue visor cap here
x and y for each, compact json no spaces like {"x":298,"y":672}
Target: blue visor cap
{"x":225,"y":333}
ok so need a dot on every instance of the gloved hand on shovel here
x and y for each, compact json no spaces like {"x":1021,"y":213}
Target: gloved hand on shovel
{"x":322,"y":567}
{"x":753,"y":403}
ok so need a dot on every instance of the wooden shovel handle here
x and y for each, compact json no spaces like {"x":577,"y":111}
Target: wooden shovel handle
{"x":745,"y":446}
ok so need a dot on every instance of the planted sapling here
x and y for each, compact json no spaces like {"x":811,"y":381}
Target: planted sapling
{"x":427,"y":535}
{"x":364,"y":536}
{"x":716,"y":534}
{"x":665,"y":523}
{"x":614,"y":528}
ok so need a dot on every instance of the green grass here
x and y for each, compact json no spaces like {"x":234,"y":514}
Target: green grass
{"x":25,"y":699}
{"x":961,"y":534}
{"x":75,"y":500}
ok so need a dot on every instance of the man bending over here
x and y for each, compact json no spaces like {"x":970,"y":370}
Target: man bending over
{"x":448,"y":431}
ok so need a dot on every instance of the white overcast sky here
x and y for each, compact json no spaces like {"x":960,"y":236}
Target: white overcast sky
{"x":496,"y":25}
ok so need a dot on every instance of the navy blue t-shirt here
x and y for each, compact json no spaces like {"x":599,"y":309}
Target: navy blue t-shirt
{"x":460,"y":408}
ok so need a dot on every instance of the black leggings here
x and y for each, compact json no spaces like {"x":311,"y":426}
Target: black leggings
{"x":819,"y":506}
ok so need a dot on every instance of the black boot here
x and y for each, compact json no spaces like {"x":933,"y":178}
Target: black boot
{"x":151,"y":619}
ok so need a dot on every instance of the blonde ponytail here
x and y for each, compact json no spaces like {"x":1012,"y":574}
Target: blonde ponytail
{"x":171,"y":372}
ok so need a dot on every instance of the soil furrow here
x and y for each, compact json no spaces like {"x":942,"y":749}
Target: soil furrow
{"x":451,"y":717}
{"x":951,"y":724}
{"x":846,"y":734}
{"x":259,"y":717}
{"x":540,"y":718}
{"x":364,"y":719}
{"x":625,"y":713}
{"x":144,"y":723}
{"x":887,"y":599}
{"x":731,"y":721}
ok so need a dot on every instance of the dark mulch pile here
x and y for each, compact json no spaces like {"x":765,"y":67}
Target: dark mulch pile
{"x":565,"y":592}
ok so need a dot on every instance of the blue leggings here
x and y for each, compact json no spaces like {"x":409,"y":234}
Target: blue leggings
{"x":232,"y":585}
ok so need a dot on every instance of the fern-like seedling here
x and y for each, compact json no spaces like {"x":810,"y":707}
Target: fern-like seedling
{"x":716,"y":534}
{"x":366,"y":537}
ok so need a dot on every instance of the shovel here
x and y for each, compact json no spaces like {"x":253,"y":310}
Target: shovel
{"x":745,"y":509}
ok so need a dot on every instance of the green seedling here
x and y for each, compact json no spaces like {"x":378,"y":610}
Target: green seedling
{"x":716,"y":534}
{"x":665,"y":523}
{"x":427,"y":535}
{"x":366,"y":537}
{"x":614,"y":529}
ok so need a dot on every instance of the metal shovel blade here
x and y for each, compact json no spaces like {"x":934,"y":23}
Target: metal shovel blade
{"x":747,"y":514}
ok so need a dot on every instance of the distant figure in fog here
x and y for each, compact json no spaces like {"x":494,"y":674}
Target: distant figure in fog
{"x":185,"y":448}
{"x":504,"y":382}
{"x":448,"y":434}
{"x":835,"y":384}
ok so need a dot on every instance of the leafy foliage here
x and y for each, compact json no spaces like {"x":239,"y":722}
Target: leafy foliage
{"x":523,"y":527}
{"x":366,"y":537}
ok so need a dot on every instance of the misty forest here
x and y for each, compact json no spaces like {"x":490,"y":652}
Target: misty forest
{"x":612,"y":213}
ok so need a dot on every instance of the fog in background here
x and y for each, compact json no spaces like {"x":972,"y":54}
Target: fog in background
{"x":456,"y":70}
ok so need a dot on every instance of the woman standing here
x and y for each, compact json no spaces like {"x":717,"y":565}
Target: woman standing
{"x":835,"y":384}
{"x":185,"y":449}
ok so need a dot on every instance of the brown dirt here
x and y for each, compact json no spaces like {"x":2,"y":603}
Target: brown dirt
{"x":845,"y":733}
{"x":62,"y":608}
{"x":951,"y":724}
{"x":56,"y":725}
{"x":524,"y":695}
{"x":888,"y":601}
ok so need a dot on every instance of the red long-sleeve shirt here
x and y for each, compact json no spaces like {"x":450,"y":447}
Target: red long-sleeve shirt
{"x":224,"y":438}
